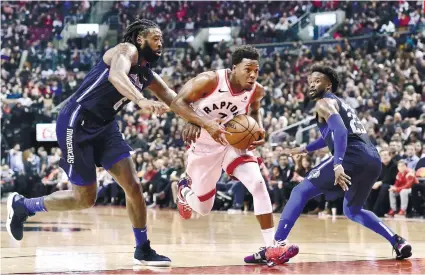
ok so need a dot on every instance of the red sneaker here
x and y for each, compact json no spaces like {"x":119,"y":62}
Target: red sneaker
{"x":390,"y":214}
{"x":185,"y":210}
{"x":401,"y":213}
{"x":280,"y":253}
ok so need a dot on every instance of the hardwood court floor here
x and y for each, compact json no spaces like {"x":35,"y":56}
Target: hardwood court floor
{"x":100,"y":241}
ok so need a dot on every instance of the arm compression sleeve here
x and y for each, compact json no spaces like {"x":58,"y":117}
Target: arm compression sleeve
{"x":316,"y":145}
{"x":336,"y":125}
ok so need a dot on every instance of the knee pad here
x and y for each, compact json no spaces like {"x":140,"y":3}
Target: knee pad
{"x":262,"y":202}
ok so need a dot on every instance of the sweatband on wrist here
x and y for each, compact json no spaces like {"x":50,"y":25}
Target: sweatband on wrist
{"x":340,"y":133}
{"x":316,"y":145}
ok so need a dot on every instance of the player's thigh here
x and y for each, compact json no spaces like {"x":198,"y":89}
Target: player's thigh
{"x":323,"y":177}
{"x":110,"y":147}
{"x":77,"y":149}
{"x":363,"y":177}
{"x":234,"y":158}
{"x":204,"y":169}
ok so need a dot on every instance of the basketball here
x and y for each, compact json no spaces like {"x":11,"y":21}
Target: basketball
{"x":244,"y":131}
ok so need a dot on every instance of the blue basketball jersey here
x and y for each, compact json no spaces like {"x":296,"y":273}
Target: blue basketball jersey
{"x":356,"y":131}
{"x":99,"y":97}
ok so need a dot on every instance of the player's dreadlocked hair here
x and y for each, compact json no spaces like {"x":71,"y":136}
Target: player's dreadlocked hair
{"x":242,"y":52}
{"x":139,"y":27}
{"x":330,"y":73}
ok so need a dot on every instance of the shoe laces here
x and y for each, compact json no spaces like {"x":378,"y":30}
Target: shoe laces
{"x":279,"y":243}
{"x":186,"y":207}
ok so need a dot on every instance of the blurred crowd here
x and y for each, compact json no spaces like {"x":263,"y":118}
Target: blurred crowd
{"x":382,"y":77}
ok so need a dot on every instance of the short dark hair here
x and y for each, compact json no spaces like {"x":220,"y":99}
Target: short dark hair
{"x":330,"y":73}
{"x":402,"y":161}
{"x":138,"y":27}
{"x":242,"y":52}
{"x":384,"y":150}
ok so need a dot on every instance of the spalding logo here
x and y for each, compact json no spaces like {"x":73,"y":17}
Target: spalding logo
{"x":231,"y":125}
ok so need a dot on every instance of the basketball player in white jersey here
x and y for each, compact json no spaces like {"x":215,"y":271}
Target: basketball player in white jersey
{"x":219,"y":96}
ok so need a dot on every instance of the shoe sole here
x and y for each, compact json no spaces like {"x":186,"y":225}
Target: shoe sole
{"x":10,"y":214}
{"x":152,"y":263}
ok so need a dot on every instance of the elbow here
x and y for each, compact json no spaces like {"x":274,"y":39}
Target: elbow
{"x":340,"y":133}
{"x":174,"y":104}
{"x":113,"y":78}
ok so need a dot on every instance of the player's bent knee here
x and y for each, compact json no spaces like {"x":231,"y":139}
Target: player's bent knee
{"x":262,"y":201}
{"x":85,"y":196}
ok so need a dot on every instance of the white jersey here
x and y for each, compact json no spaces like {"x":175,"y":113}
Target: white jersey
{"x":223,"y":103}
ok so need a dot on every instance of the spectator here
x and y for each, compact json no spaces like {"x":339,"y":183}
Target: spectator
{"x":403,"y":187}
{"x":411,"y":159}
{"x":378,"y":200}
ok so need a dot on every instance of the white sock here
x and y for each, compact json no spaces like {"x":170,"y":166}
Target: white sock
{"x":268,"y":236}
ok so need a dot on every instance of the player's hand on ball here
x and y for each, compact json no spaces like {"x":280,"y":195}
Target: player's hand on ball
{"x":341,"y":178}
{"x":216,"y":131}
{"x":191,"y":133}
{"x":258,"y":142}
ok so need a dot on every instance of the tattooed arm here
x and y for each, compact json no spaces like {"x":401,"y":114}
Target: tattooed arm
{"x":120,"y":59}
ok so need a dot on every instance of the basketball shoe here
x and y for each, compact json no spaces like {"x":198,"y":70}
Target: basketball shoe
{"x":280,"y":253}
{"x":184,"y":209}
{"x":402,"y":248}
{"x":145,"y":255}
{"x":17,"y":214}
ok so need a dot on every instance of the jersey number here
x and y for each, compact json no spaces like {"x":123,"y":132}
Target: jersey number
{"x":119,"y":103}
{"x":223,"y":115}
{"x":355,"y":123}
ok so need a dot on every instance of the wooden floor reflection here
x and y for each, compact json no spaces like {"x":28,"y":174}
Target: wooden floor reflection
{"x":100,"y":241}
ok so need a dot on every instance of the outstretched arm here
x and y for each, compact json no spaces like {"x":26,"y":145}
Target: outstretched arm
{"x":315,"y":145}
{"x":120,"y":59}
{"x":327,"y":110}
{"x":161,"y":90}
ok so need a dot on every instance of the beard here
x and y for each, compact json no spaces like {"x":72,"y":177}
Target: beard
{"x":318,"y":95}
{"x":148,"y":54}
